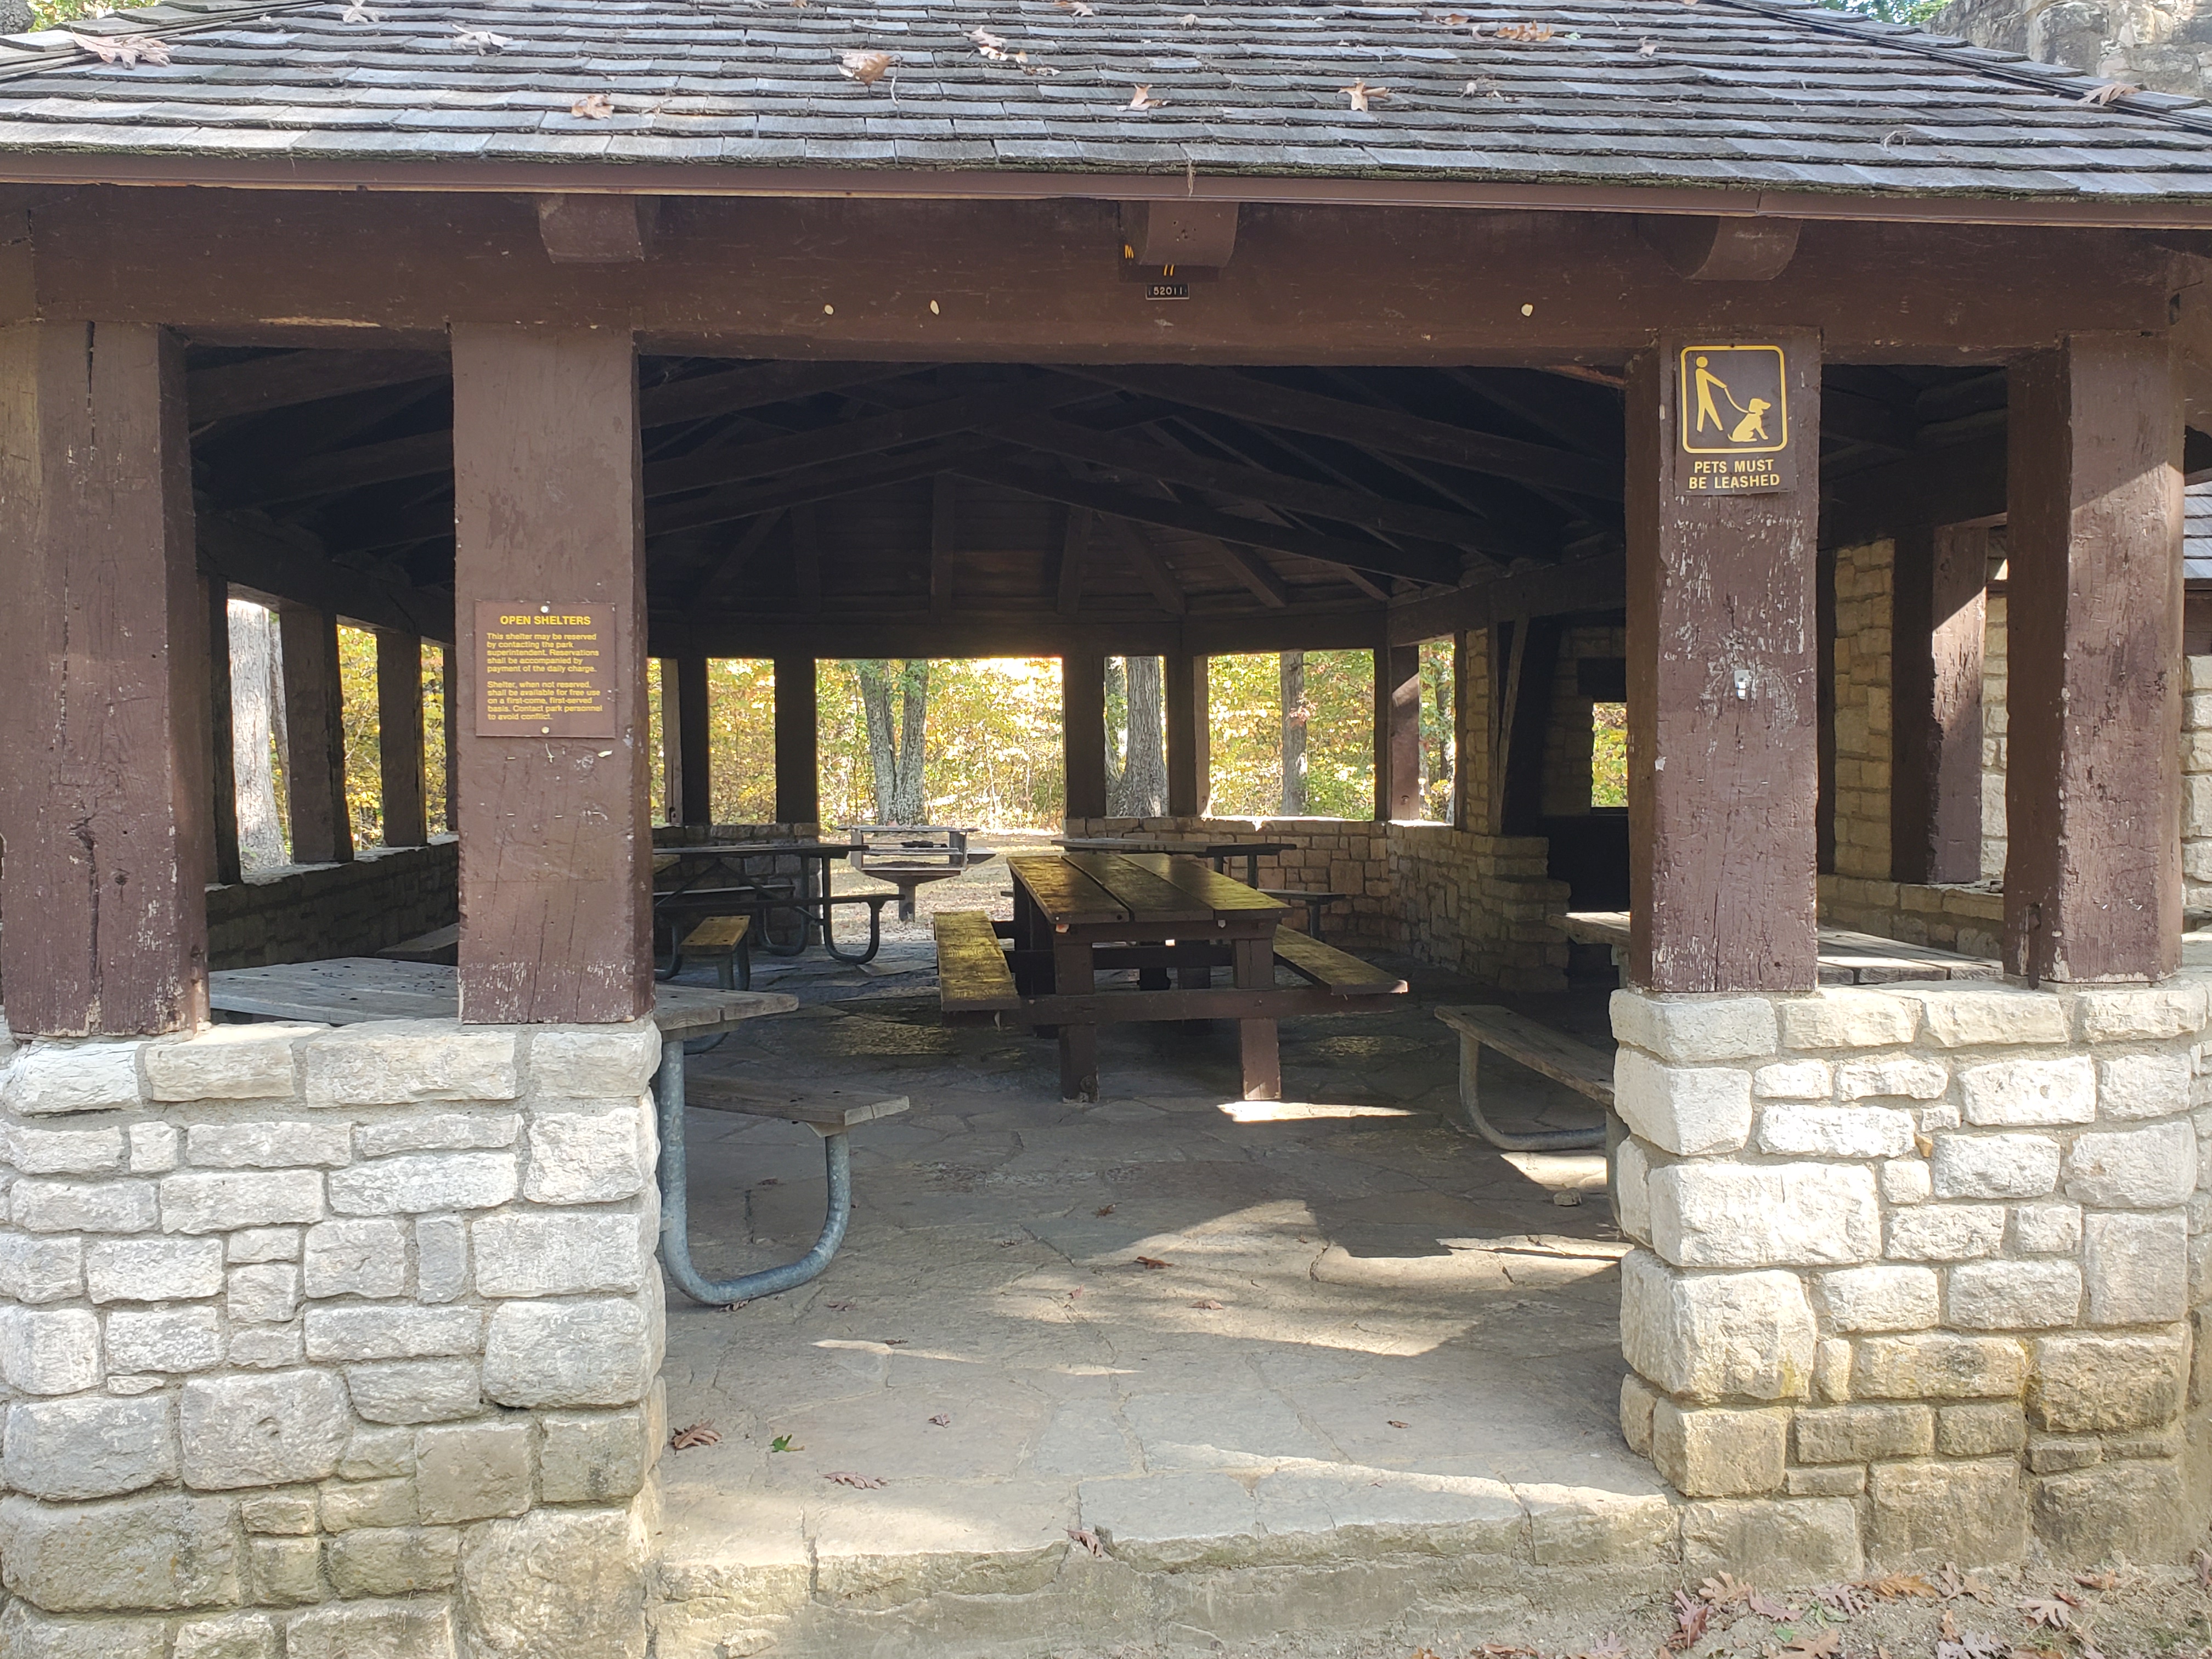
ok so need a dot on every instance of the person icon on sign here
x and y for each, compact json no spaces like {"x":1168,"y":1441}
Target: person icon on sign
{"x":1707,"y":410}
{"x":1751,"y":428}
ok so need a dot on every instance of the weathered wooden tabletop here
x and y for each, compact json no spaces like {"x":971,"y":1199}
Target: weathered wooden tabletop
{"x":1138,"y":896}
{"x":348,"y":990}
{"x":1845,"y":958}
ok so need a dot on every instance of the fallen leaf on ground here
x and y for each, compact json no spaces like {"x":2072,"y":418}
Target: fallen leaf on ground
{"x":1949,"y":1629}
{"x":1607,"y":1646}
{"x":1723,"y":1589}
{"x":1207,"y":1304}
{"x":2109,"y":94}
{"x":1846,"y":1599}
{"x":838,"y":1307}
{"x":1496,"y":1650}
{"x":1952,"y":1584}
{"x":1768,"y":1607}
{"x":1108,"y":1209}
{"x":1088,"y":1539}
{"x":699,"y":1434}
{"x":847,"y":1477}
{"x":942,"y":1420}
{"x":2097,"y":1581}
{"x":1152,"y":1261}
{"x":1972,"y":1645}
{"x":1820,"y":1646}
{"x":483,"y":39}
{"x":1896,"y":1586}
{"x":782,"y":1442}
{"x":2048,"y":1611}
{"x":2201,"y":1560}
{"x":895,"y":1342}
{"x":128,"y":50}
{"x":1141,"y":98}
{"x":1360,"y":92}
{"x":1076,"y":1292}
{"x":1692,"y":1617}
{"x":865,"y":67}
{"x":358,"y":13}
{"x":1395,"y":1424}
{"x":2035,"y":1653}
{"x":769,"y":1180}
{"x":593,"y":106}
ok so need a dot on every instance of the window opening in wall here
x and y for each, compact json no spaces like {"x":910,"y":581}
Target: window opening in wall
{"x":364,"y":771}
{"x":660,"y":691}
{"x":1609,"y":754}
{"x":1293,"y":734}
{"x":741,"y":739}
{"x":1136,"y":738}
{"x":1439,"y":744}
{"x":435,"y":658}
{"x":974,"y":742}
{"x":257,"y":723}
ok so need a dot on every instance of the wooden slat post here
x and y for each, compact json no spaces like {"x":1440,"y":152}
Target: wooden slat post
{"x":670,"y":803}
{"x":1398,"y":731}
{"x":1721,"y":699}
{"x":314,"y":722}
{"x":1939,"y":585}
{"x":450,"y":698}
{"x":1468,"y":809}
{"x":797,"y":743}
{"x":223,"y":758}
{"x":695,"y":747}
{"x":555,"y":844}
{"x":1083,"y":731}
{"x":399,"y":739}
{"x":1525,"y":657}
{"x":104,"y":737}
{"x":2092,"y":876}
{"x":1189,"y":737}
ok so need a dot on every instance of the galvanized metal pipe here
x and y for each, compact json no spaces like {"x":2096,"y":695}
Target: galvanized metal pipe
{"x":1541,"y":1140}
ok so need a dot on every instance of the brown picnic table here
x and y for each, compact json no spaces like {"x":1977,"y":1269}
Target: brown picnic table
{"x":1218,"y":852}
{"x":688,"y":868}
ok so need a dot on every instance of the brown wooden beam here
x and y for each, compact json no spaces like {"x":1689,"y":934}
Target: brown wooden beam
{"x":1257,"y":575}
{"x":1721,"y":739}
{"x":286,"y":563}
{"x":805,"y":556}
{"x":1940,"y":584}
{"x":555,"y":842}
{"x":1190,"y":785}
{"x":1151,"y":568}
{"x":399,"y":739}
{"x":222,"y":776}
{"x":1717,"y":250}
{"x":1597,"y":583}
{"x":727,"y":567}
{"x":314,"y":722}
{"x":798,"y":760}
{"x":261,"y":384}
{"x":1525,"y":656}
{"x":1942,"y":486}
{"x":1075,"y":549}
{"x":944,"y":531}
{"x":695,"y":745}
{"x":1398,"y":731}
{"x":970,"y":633}
{"x":1083,"y":732}
{"x":808,"y":484}
{"x":579,"y":229}
{"x":2092,"y":786}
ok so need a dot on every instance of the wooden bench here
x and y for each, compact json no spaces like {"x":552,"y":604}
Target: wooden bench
{"x":973,"y":979}
{"x":722,"y":940}
{"x":1586,"y":1070}
{"x":1338,"y":972}
{"x":1313,"y":902}
{"x":441,"y":945}
{"x":827,"y":1111}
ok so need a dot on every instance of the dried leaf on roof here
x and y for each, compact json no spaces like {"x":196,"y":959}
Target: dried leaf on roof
{"x":1360,"y":92}
{"x":1530,"y":31}
{"x":2109,"y":94}
{"x":359,"y":13}
{"x":483,"y":39}
{"x":1143,"y":99}
{"x":593,"y":106}
{"x":866,"y":67}
{"x":1647,"y":47}
{"x":993,"y":48}
{"x":1080,"y":8}
{"x":128,"y":50}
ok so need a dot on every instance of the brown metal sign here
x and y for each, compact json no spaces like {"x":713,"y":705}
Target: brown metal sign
{"x":1734,"y":420}
{"x":545,"y":669}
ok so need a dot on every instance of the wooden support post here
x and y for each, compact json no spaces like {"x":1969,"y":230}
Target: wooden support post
{"x":1189,"y":737}
{"x":798,"y":764}
{"x":670,"y":803}
{"x":694,"y":746}
{"x":1072,"y":975}
{"x":314,"y":724}
{"x":1720,"y":696}
{"x":451,"y":701}
{"x":1083,"y":732}
{"x":399,"y":739}
{"x":1398,"y":731}
{"x":104,"y":741}
{"x":1940,"y":584}
{"x":2092,"y":876}
{"x":1467,"y":811}
{"x":556,"y":846}
{"x":1525,"y":657}
{"x":1253,"y":966}
{"x":223,"y":770}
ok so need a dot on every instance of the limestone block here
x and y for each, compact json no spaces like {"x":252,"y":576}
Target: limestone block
{"x":2008,"y":1093}
{"x":2130,"y":1086}
{"x":394,"y":1560}
{"x":263,"y":1244}
{"x":226,"y":1062}
{"x":51,"y":1078}
{"x":152,"y":1148}
{"x":1834,"y":1480}
{"x":2137,"y":1267}
{"x":598,"y":1353}
{"x":220,"y":1201}
{"x":601,"y":1062}
{"x":1735,"y":1215}
{"x":2012,"y":1296}
{"x":2054,"y":1453}
{"x":523,"y":1254}
{"x":2139,"y":1012}
{"x":233,"y":1635}
{"x":1716,"y":1336}
{"x":1994,"y":1166}
{"x":2153,"y":1168}
{"x":343,"y":1331}
{"x":1691,"y":1030}
{"x":394,"y":1062}
{"x":285,"y":1571}
{"x":40,"y":1269}
{"x":592,"y":1457}
{"x":378,"y":1454}
{"x":153,"y":1269}
{"x":1900,"y":1077}
{"x":364,"y":1257}
{"x":1794,"y":1080}
{"x":273,"y":1145}
{"x":142,"y":1553}
{"x":1938,"y":1366}
{"x":1946,"y":1232}
{"x":412,"y":1183}
{"x":412,"y":1629}
{"x":1981,"y":1429}
{"x":63,"y":1151}
{"x":472,"y":1471}
{"x":1862,"y":1434}
{"x":416,"y":1390}
{"x":1638,"y":1403}
{"x":1973,"y":1513}
{"x":174,"y":1340}
{"x":81,"y":1206}
{"x":1954,"y":1016}
{"x":2084,"y":1383}
{"x":1860,"y":1299}
{"x":1685,"y":1110}
{"x":441,"y":1257}
{"x":262,"y":1430}
{"x":1905,"y":1181}
{"x":1706,"y":1452}
{"x":586,"y":1158}
{"x":1855,"y":1132}
{"x":1846,"y":1017}
{"x":2132,"y":1511}
{"x":2049,"y":1229}
{"x":91,"y":1446}
{"x":1631,"y":1196}
{"x":388,"y":1503}
{"x":266,"y":1348}
{"x":441,"y":1131}
{"x":556,"y":1581}
{"x":268,"y":1294}
{"x":277,"y":1513}
{"x":26,"y":1633}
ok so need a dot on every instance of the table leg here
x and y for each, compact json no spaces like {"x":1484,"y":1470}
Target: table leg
{"x":1072,"y":975}
{"x":1255,"y":962}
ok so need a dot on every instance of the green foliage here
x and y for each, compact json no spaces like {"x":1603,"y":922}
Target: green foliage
{"x":992,"y":754}
{"x":1609,"y":754}
{"x":364,"y":772}
{"x":1439,"y":744}
{"x":1244,"y":708}
{"x":1919,"y":12}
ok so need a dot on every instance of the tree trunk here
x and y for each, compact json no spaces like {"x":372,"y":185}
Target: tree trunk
{"x":1138,"y":789}
{"x":252,"y":678}
{"x":873,"y":674}
{"x":1117,"y":736}
{"x":907,"y":803}
{"x":1293,"y":681}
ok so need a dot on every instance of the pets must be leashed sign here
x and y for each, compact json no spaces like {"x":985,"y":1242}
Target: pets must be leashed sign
{"x":1734,"y":420}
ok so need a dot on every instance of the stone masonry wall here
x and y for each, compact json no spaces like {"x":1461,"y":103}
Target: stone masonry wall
{"x":303,"y":913}
{"x":2163,"y":44}
{"x":1863,"y":582}
{"x":341,"y":1342}
{"x":1918,"y":1270}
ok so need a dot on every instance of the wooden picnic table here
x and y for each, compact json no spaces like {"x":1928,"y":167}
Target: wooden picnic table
{"x":1219,"y":852}
{"x":813,"y":903}
{"x":1845,"y":958}
{"x":349,"y":990}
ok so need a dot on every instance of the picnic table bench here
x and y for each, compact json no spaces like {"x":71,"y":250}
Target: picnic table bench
{"x":688,"y":900}
{"x":910,"y":857}
{"x":1845,"y":958}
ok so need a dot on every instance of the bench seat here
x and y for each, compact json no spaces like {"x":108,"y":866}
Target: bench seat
{"x":1336,"y":971}
{"x":830,"y":1111}
{"x":721,"y":940}
{"x":973,"y":976}
{"x":1313,"y":901}
{"x":1585,"y":1069}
